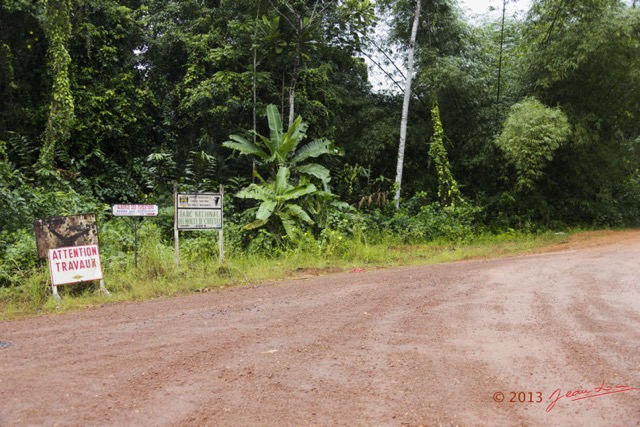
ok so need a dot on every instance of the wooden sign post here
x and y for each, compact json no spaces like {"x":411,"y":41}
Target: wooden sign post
{"x":198,"y":211}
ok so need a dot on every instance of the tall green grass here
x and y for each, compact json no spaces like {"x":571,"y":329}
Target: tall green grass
{"x":157,"y":276}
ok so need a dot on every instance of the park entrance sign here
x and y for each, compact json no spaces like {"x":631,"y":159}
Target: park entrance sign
{"x":198,"y":211}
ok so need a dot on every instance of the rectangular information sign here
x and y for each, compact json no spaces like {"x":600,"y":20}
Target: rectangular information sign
{"x":199,"y":211}
{"x":135,"y":210}
{"x":199,"y":219}
{"x":200,"y":200}
{"x":74,"y":264}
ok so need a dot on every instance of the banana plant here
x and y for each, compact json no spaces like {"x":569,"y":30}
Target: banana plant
{"x":280,"y":195}
{"x":279,"y":199}
{"x":281,"y":148}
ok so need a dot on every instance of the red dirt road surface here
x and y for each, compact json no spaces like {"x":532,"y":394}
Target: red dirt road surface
{"x":548,"y":339}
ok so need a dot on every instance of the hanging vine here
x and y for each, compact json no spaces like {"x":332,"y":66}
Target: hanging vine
{"x":56,"y":24}
{"x":448,"y":191}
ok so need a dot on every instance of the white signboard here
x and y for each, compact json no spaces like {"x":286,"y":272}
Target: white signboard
{"x":200,"y":200}
{"x":199,"y":211}
{"x":74,"y":264}
{"x":135,"y":210}
{"x":199,"y":219}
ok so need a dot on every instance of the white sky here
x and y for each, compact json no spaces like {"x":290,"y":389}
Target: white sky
{"x":515,"y":8}
{"x":474,"y":8}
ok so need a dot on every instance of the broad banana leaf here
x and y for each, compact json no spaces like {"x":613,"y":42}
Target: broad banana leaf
{"x":297,"y":211}
{"x":297,"y":192}
{"x":292,"y":138}
{"x":255,"y":224}
{"x":244,"y":146}
{"x":315,"y":148}
{"x":289,"y":225}
{"x":282,"y":180}
{"x":317,"y":171}
{"x":275,"y":128}
{"x":257,"y":192}
{"x":266,"y":209}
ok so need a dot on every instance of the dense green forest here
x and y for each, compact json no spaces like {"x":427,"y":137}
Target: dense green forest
{"x":522,"y":124}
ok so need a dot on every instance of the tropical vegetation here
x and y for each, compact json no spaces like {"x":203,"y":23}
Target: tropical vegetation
{"x":508,"y":123}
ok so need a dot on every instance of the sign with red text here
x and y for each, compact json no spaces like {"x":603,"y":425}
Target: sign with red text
{"x":135,"y":210}
{"x":74,"y":264}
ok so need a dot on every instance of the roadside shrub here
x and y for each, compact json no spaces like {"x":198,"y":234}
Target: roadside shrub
{"x":18,"y":258}
{"x":452,"y":223}
{"x":436,"y":222}
{"x":201,"y":246}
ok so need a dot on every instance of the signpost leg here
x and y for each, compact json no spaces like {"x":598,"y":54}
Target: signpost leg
{"x":56,"y":295}
{"x":221,"y":245}
{"x":103,"y":289}
{"x":197,"y":211}
{"x":221,"y":232}
{"x":136,"y":225}
{"x":175,"y":226}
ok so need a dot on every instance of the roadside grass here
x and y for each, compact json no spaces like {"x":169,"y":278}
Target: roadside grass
{"x":156,"y":275}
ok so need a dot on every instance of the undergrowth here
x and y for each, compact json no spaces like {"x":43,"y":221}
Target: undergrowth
{"x":157,"y":276}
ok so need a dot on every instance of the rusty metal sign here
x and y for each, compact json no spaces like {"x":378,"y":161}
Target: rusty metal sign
{"x":65,"y":231}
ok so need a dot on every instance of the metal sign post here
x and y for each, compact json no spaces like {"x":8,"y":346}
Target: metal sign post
{"x":198,"y":211}
{"x":136,"y":213}
{"x":176,"y":234}
{"x":221,"y":230}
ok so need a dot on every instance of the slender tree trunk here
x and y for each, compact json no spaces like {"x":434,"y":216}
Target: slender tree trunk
{"x":292,"y":104}
{"x":255,"y":91}
{"x":405,"y":104}
{"x":504,"y":12}
{"x":255,"y":75}
{"x":296,"y":67}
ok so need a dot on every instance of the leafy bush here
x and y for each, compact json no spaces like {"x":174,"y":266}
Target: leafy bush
{"x":433,"y":221}
{"x":18,"y":257}
{"x":531,"y":135}
{"x":21,"y":202}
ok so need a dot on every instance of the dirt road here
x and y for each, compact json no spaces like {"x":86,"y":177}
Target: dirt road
{"x":549,"y":339}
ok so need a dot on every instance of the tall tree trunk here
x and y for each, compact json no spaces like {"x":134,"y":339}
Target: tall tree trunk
{"x":296,"y":67}
{"x":405,"y":104}
{"x":255,"y":90}
{"x":292,"y":103}
{"x":504,"y":12}
{"x":255,"y":75}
